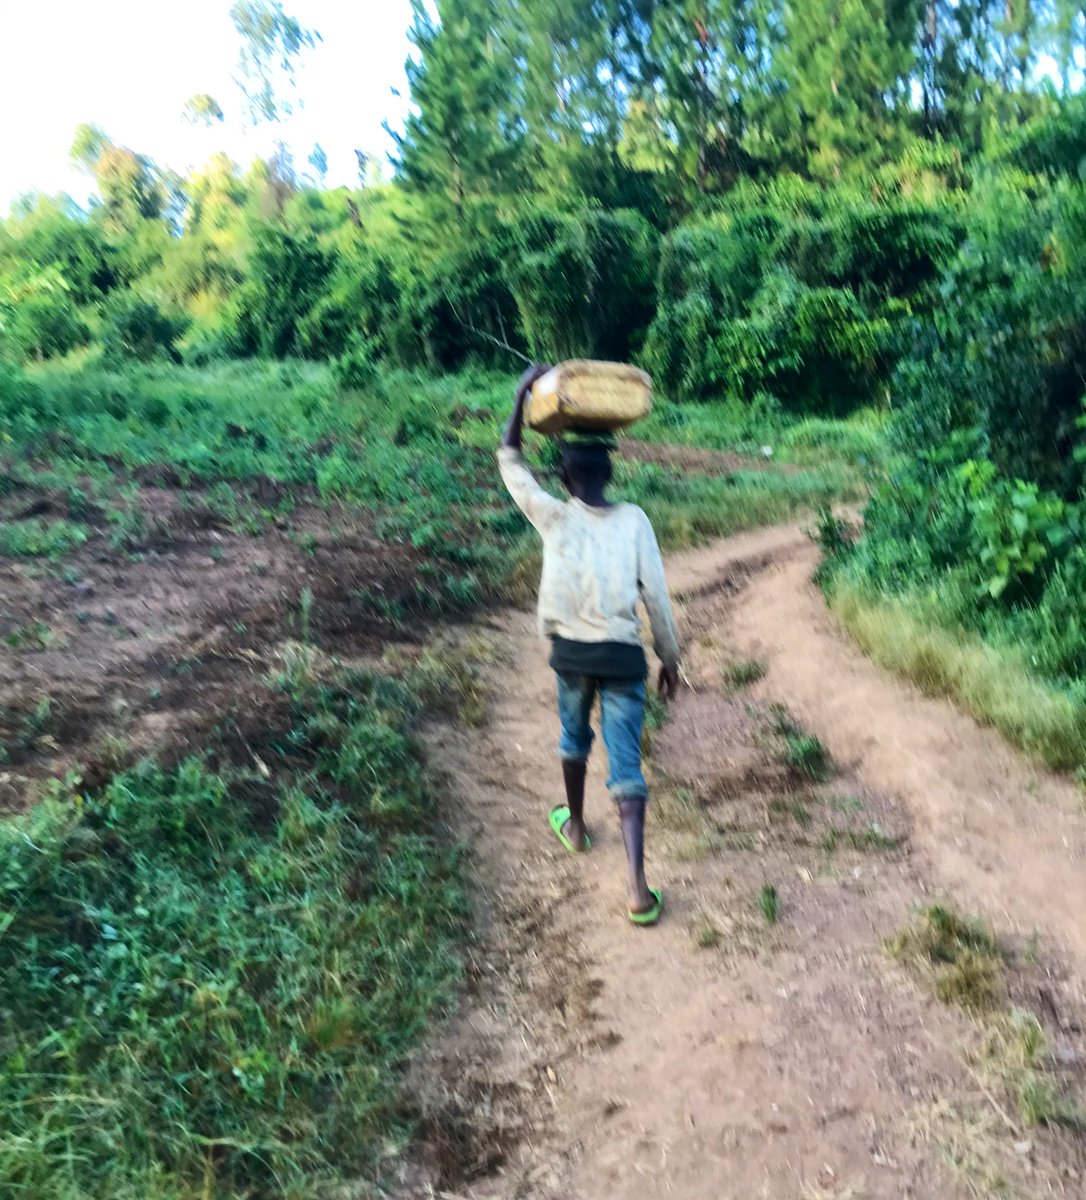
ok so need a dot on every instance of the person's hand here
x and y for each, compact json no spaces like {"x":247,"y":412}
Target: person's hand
{"x":524,"y":385}
{"x":668,"y":683}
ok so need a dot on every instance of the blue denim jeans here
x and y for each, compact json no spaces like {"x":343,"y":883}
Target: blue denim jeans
{"x":622,"y":712}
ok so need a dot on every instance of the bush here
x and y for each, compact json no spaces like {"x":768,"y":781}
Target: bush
{"x":796,"y":292}
{"x":137,"y":330}
{"x":582,"y":284}
{"x":287,"y":277}
{"x":362,"y":302}
{"x":458,"y":310}
{"x":982,"y":507}
{"x":356,"y":367}
{"x":43,"y":323}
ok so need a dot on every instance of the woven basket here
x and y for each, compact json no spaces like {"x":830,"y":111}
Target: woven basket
{"x":589,"y":395}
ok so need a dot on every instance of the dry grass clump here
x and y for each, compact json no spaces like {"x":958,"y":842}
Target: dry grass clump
{"x":959,"y":958}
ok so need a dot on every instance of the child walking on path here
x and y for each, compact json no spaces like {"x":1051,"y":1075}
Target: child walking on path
{"x":599,"y":559}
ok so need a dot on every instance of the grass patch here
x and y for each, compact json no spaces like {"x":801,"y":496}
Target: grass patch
{"x":37,"y":636}
{"x":960,"y":959}
{"x":769,"y":903}
{"x":859,"y":441}
{"x":211,"y":974}
{"x":741,"y":673}
{"x":808,"y":756}
{"x":790,"y":806}
{"x":689,"y":510}
{"x":29,"y":729}
{"x":804,"y":753}
{"x":705,"y":934}
{"x":450,"y":677}
{"x":870,"y":839}
{"x":35,"y":538}
{"x":1015,"y":1052}
{"x":991,"y":683}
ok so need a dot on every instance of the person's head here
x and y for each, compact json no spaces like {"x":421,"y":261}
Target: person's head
{"x":586,"y":469}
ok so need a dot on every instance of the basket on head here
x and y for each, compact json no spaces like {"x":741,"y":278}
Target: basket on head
{"x":586,"y":395}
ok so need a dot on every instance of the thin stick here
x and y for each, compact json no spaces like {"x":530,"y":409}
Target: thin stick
{"x":502,"y":345}
{"x":497,"y":342}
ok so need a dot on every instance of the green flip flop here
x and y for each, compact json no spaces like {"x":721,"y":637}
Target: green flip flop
{"x":653,"y":914}
{"x":559,"y":816}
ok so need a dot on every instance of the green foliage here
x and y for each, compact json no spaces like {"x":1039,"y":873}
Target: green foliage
{"x":1055,"y":142}
{"x":287,"y":276}
{"x":769,"y":903}
{"x":356,"y":368}
{"x":38,"y":317}
{"x":798,"y":294}
{"x":808,"y":756}
{"x":583,"y":285}
{"x":36,"y":538}
{"x":213,"y":960}
{"x":459,"y":146}
{"x":1014,"y":525}
{"x":136,"y":329}
{"x":979,"y":520}
{"x":270,"y":42}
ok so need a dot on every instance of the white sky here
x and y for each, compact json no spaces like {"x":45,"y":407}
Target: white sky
{"x":130,"y":65}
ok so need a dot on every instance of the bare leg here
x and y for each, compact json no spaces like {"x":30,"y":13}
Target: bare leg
{"x":574,"y":775}
{"x":631,"y":813}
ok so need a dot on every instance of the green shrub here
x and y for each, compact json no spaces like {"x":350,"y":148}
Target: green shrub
{"x":38,"y":316}
{"x":981,"y":511}
{"x":356,"y":367}
{"x":798,"y":292}
{"x":582,"y":283}
{"x":136,"y":329}
{"x":458,"y":310}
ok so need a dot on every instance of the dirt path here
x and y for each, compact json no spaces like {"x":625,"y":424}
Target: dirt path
{"x":720,"y":1055}
{"x":1004,"y":837}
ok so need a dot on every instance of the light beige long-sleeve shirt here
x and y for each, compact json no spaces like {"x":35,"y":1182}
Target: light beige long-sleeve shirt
{"x":597,"y":564}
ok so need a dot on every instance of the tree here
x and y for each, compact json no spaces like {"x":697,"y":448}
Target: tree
{"x":709,"y":56}
{"x":287,"y":276}
{"x":318,"y":160}
{"x":463,"y":140}
{"x":88,"y":142}
{"x":131,"y":187}
{"x":52,"y":232}
{"x":38,"y":319}
{"x":1068,"y":32}
{"x":581,"y":64}
{"x":271,"y":41}
{"x":202,"y":110}
{"x":844,"y":68}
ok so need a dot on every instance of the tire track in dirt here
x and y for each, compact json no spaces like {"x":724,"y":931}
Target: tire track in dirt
{"x":998,"y":834}
{"x":597,"y":1061}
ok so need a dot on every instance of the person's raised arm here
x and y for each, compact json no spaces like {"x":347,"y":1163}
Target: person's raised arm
{"x":537,"y":504}
{"x":514,"y":430}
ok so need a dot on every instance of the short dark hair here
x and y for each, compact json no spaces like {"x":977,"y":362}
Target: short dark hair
{"x":587,"y":465}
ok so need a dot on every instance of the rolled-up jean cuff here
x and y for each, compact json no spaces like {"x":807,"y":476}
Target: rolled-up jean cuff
{"x":573,"y":756}
{"x":628,"y":791}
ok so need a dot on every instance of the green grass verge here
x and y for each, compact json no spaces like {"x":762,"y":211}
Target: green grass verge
{"x":210,"y":975}
{"x":992,"y":683}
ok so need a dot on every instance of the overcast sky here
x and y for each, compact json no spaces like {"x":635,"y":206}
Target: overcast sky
{"x":130,"y":65}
